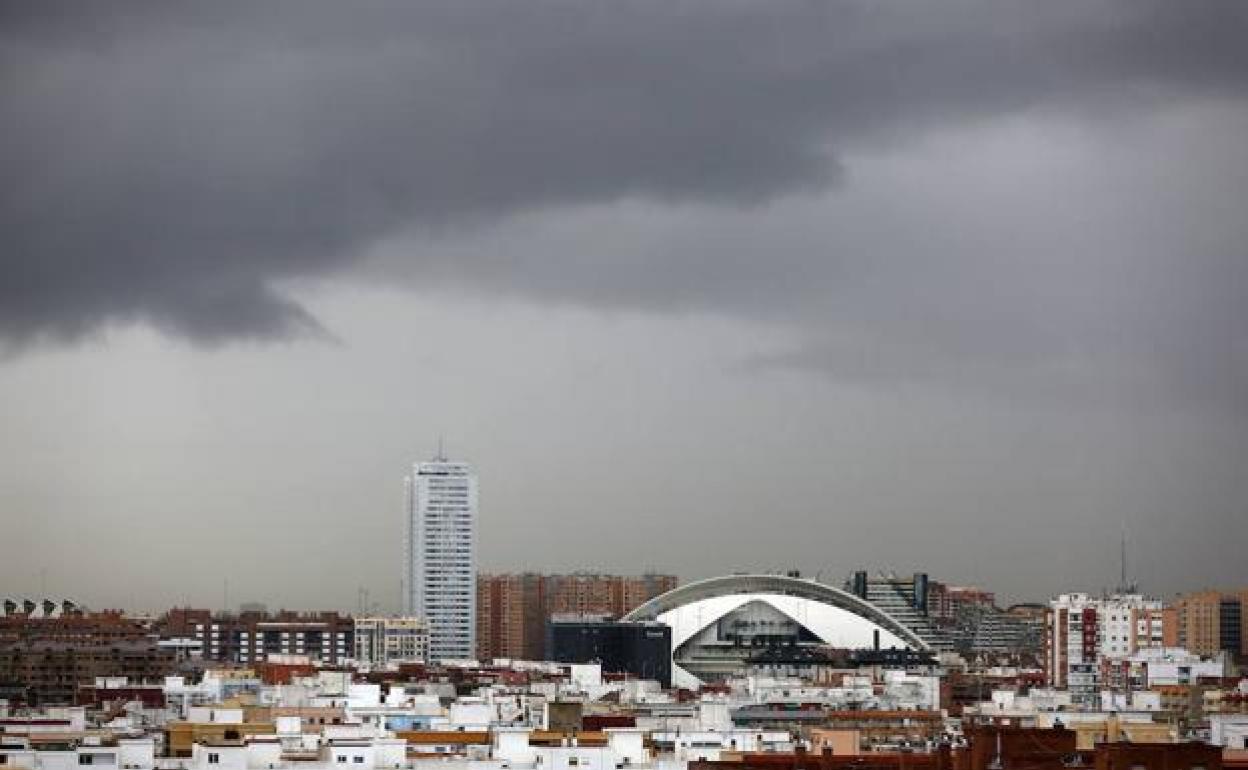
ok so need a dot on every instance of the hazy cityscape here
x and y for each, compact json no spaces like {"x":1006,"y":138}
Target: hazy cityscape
{"x":489,"y":670}
{"x":858,"y":385}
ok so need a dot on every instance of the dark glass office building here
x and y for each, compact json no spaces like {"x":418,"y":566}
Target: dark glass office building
{"x":642,"y":649}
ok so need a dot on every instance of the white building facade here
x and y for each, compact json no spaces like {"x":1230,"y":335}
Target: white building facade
{"x":1084,"y":634}
{"x":441,"y":579}
{"x":1173,"y":666}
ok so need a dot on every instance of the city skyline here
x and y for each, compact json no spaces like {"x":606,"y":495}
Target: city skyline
{"x":367,"y":598}
{"x":698,"y":288}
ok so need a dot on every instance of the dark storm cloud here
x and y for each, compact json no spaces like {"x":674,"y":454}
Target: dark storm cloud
{"x":172,"y":163}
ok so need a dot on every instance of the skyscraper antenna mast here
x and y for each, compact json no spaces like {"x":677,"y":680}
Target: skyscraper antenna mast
{"x":1123,"y":558}
{"x":1124,"y":586}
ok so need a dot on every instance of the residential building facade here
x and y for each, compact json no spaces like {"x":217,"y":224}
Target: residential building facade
{"x":381,"y":641}
{"x":1210,"y":622}
{"x":46,"y":655}
{"x":251,"y":637}
{"x":1084,"y":634}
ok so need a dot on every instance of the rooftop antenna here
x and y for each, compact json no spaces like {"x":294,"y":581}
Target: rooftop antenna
{"x":995,"y":763}
{"x":441,"y":454}
{"x":1123,"y":559}
{"x":1123,"y":585}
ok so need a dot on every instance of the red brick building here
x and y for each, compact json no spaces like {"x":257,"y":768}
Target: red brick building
{"x":46,"y":660}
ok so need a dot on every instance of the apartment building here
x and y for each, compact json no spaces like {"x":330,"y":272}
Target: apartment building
{"x":1213,"y":621}
{"x":251,"y":637}
{"x":1084,"y":634}
{"x":382,"y":641}
{"x":46,"y":656}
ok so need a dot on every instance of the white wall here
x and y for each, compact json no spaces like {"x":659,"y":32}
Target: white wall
{"x":586,"y":675}
{"x":136,"y":752}
{"x":471,"y":715}
{"x":390,"y":752}
{"x":512,"y":745}
{"x":1229,"y":730}
{"x":364,"y":695}
{"x":352,"y":757}
{"x":218,"y":715}
{"x":226,"y":757}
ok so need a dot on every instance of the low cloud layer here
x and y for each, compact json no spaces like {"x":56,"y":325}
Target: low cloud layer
{"x":175,"y":165}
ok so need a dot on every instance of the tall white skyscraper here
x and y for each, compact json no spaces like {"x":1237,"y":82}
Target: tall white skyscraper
{"x":441,"y":579}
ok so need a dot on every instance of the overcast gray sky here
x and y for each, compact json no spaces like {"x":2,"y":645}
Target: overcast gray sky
{"x":698,"y":287}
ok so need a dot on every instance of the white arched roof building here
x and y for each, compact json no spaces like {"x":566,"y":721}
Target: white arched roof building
{"x":717,"y":624}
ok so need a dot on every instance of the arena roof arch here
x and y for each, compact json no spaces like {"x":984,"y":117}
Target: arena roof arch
{"x":710,"y":618}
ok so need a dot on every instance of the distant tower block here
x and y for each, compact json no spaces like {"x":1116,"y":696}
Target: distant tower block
{"x":441,"y":558}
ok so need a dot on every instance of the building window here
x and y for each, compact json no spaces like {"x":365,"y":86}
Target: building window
{"x":85,"y":759}
{"x":358,"y":759}
{"x":214,"y":759}
{"x":342,"y":759}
